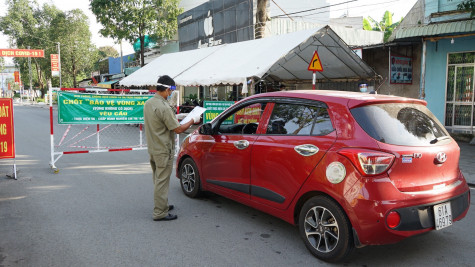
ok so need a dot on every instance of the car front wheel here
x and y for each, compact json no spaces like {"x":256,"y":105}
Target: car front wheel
{"x":190,"y":178}
{"x":325,"y":229}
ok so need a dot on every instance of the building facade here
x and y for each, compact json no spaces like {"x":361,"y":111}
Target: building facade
{"x":447,"y":59}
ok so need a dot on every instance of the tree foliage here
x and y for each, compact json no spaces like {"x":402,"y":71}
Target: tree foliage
{"x":107,"y":51}
{"x":2,"y":64}
{"x":468,"y":5}
{"x":19,"y":25}
{"x":78,"y":55}
{"x":386,"y":25}
{"x":29,"y":25}
{"x":131,"y":20}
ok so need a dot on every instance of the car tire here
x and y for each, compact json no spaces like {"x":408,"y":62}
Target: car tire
{"x":190,"y":178}
{"x":325,"y":229}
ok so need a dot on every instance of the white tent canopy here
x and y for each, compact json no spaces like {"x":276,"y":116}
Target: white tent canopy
{"x":283,"y":57}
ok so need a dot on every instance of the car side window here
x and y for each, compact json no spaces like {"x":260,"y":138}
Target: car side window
{"x":243,"y":121}
{"x":291,"y":119}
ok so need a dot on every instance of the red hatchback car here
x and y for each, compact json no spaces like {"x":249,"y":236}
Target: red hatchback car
{"x":350,"y":169}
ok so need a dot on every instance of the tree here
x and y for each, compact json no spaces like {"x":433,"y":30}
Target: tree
{"x":28,"y":25}
{"x":261,"y":18}
{"x":468,"y":5}
{"x":78,"y":55}
{"x":19,"y":24}
{"x":107,"y":51}
{"x":386,"y":25}
{"x":130,"y":20}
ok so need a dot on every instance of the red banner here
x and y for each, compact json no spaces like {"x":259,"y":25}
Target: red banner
{"x":54,"y":64}
{"x":7,"y":136}
{"x":22,"y":53}
{"x":17,"y":76}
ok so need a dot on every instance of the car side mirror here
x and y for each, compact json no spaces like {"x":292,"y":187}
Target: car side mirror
{"x":206,"y":129}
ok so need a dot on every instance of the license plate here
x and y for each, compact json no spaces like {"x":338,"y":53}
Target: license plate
{"x":442,"y":215}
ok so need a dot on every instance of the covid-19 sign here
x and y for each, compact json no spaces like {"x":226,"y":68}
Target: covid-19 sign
{"x":7,"y":136}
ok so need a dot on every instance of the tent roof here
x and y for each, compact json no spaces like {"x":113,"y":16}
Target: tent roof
{"x":285,"y":57}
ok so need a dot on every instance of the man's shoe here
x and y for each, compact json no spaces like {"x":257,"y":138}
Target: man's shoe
{"x":170,"y":207}
{"x":169,"y":217}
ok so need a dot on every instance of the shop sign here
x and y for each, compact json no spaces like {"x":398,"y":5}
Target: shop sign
{"x":74,"y":108}
{"x":401,"y":70}
{"x":209,"y":24}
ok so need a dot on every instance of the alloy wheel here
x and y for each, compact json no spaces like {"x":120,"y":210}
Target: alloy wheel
{"x":321,"y":229}
{"x":188,"y":178}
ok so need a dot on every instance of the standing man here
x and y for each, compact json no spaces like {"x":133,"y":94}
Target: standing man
{"x":161,"y":126}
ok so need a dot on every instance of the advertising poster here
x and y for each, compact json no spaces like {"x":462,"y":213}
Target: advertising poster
{"x":400,"y":70}
{"x":7,"y":136}
{"x":74,"y":108}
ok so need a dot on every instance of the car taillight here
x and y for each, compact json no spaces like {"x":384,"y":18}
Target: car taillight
{"x":393,"y":219}
{"x":369,"y":162}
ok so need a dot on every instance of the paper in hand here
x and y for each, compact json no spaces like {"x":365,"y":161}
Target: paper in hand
{"x":197,"y":111}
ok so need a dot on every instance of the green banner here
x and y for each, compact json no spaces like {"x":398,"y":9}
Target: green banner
{"x":214,"y":108}
{"x":74,"y":108}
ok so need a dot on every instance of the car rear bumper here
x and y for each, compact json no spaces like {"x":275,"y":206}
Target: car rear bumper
{"x":422,"y":217}
{"x":416,"y":211}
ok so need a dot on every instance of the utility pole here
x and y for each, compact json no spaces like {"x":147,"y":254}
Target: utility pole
{"x":121,"y":59}
{"x":29,"y":67}
{"x":59,"y":64}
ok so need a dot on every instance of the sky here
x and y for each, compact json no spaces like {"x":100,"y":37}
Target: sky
{"x":365,"y":8}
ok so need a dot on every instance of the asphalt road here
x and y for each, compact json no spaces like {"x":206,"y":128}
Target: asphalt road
{"x":97,"y":212}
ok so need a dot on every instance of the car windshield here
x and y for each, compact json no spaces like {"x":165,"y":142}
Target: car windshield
{"x":400,"y":124}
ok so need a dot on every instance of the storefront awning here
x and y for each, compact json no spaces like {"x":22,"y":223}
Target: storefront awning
{"x":436,"y":29}
{"x":283,"y":57}
{"x":107,"y":84}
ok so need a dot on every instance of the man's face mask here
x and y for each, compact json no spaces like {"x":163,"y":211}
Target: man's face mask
{"x":170,"y":95}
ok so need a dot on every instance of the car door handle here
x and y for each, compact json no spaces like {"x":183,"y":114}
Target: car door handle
{"x":306,"y":150}
{"x":241,"y":144}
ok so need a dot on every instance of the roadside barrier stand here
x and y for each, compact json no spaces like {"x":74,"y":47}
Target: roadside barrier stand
{"x":90,"y":120}
{"x":7,"y":133}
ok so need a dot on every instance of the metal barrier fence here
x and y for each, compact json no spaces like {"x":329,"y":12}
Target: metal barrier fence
{"x":93,"y":138}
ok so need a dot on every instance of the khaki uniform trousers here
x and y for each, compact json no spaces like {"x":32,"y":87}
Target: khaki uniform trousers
{"x":162,"y":165}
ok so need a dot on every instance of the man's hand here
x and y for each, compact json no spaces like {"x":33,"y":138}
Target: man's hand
{"x":180,"y":129}
{"x":197,"y":119}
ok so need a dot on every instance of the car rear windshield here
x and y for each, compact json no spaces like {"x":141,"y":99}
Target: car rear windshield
{"x":400,"y":124}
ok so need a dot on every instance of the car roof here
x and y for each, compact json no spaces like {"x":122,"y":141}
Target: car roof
{"x":351,"y":99}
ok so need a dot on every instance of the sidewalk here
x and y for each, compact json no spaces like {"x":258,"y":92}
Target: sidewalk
{"x":467,"y":161}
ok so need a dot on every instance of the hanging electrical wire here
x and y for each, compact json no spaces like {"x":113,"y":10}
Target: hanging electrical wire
{"x":308,"y":10}
{"x":282,"y":10}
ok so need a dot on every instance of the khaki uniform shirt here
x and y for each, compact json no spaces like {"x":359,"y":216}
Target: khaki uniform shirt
{"x":159,"y":121}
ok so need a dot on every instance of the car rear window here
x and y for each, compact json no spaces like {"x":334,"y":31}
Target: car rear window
{"x":291,"y":119}
{"x":400,"y":124}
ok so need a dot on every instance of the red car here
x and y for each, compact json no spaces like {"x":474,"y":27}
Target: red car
{"x":350,"y":169}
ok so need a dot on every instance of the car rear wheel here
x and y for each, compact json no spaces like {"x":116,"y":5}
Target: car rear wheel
{"x":325,"y":229}
{"x":190,"y":178}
